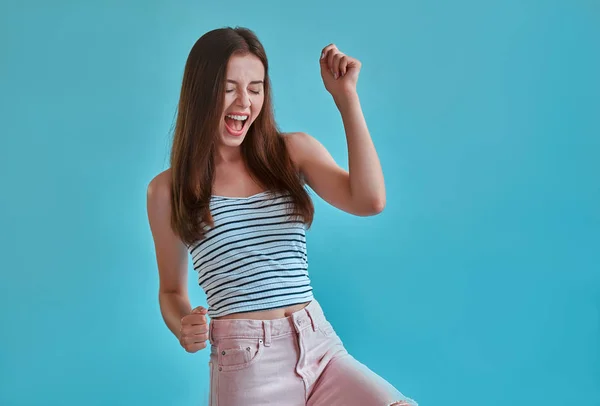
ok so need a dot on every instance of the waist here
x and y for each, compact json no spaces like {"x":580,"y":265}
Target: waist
{"x":308,"y":314}
{"x":269,"y":314}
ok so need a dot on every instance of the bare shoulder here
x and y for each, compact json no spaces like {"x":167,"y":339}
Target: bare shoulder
{"x":158,"y":202}
{"x":297,"y":140}
{"x":159,"y":191}
{"x":299,"y":145}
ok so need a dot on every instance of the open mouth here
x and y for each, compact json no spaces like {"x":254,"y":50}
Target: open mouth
{"x":236,"y":123}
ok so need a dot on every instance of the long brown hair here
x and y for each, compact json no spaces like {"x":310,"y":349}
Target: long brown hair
{"x":197,"y":129}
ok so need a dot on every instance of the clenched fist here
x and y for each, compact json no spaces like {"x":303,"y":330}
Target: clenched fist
{"x":339,"y":72}
{"x":194,"y":330}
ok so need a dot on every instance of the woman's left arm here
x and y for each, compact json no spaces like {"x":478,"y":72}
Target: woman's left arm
{"x":361,"y":189}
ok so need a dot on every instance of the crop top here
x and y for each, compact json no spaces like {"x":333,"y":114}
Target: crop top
{"x":253,"y":257}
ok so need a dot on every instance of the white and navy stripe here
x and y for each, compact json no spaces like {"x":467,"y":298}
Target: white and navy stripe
{"x":254,"y":257}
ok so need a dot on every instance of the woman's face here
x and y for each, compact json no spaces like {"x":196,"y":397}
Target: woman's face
{"x":244,"y":97}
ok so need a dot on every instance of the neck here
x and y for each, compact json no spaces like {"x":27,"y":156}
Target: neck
{"x":228,"y":155}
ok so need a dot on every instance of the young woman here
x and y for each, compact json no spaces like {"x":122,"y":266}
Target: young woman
{"x":234,"y":200}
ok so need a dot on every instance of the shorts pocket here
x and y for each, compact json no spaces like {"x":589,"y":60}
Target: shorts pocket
{"x":326,"y":328}
{"x":238,"y":353}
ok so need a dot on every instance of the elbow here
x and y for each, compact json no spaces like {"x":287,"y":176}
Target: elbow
{"x":378,"y":205}
{"x":374,"y":206}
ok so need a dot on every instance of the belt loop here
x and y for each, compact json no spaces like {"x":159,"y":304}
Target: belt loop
{"x":312,"y":318}
{"x":210,"y":333}
{"x":267,"y":330}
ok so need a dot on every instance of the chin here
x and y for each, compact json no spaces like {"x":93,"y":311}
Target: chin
{"x":231,"y":143}
{"x":229,"y":140}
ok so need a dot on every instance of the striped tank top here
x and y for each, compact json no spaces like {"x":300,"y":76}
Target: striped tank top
{"x":254,"y":257}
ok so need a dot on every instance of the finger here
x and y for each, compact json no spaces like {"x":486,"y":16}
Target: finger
{"x":194,"y":319}
{"x":326,"y":61}
{"x":195,"y":347}
{"x":337,"y":59}
{"x":193,"y":339}
{"x":330,"y":58}
{"x":344,"y":65}
{"x":327,"y":57}
{"x":326,"y":50}
{"x":199,"y":329}
{"x":201,"y":326}
{"x":200,"y":309}
{"x":193,"y":329}
{"x":197,"y":338}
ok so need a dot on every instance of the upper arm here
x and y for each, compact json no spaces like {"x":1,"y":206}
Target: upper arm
{"x":321,"y":172}
{"x":171,"y":253}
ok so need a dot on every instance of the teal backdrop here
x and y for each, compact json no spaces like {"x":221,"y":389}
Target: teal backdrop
{"x":478,"y":285}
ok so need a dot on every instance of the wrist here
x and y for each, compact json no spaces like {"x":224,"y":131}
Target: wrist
{"x":346,"y":100}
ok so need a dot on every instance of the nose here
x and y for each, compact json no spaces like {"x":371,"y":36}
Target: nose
{"x":243,"y":99}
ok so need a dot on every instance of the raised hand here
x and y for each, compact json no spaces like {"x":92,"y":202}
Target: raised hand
{"x":339,"y":72}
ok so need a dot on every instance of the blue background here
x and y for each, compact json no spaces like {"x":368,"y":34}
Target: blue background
{"x":478,"y":285}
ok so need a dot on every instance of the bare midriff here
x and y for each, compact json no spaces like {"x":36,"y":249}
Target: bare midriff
{"x":270,"y":314}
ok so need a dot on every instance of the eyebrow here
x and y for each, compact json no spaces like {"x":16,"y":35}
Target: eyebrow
{"x":254,"y":82}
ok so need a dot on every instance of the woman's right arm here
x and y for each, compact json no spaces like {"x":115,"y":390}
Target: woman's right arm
{"x":171,"y":255}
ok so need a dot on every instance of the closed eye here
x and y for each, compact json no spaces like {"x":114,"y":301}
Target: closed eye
{"x":251,"y":91}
